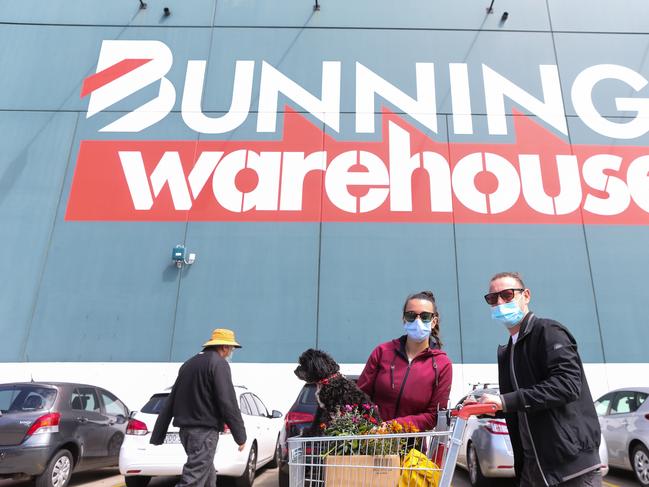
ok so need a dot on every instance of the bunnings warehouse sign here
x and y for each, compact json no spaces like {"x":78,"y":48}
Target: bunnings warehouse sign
{"x":405,"y":174}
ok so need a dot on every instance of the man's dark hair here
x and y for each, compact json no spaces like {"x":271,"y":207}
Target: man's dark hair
{"x":513,"y":275}
{"x":428,"y":296}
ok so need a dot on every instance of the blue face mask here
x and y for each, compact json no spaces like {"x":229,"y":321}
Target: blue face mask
{"x":417,"y":330}
{"x":509,"y":314}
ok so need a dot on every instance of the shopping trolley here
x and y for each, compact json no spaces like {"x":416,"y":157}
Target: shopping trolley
{"x":425,"y":459}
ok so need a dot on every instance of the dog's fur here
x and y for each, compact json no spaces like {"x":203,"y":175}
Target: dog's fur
{"x":332,"y":388}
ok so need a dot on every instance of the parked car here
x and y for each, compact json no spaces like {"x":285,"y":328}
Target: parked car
{"x":624,"y":418}
{"x":139,"y":460}
{"x":50,"y":429}
{"x":297,"y":419}
{"x":486,"y":451}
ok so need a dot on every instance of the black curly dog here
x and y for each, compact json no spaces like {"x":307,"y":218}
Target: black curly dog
{"x":332,"y":388}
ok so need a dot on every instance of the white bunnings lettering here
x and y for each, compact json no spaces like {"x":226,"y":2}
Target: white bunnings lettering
{"x":371,"y":91}
{"x":280,"y":179}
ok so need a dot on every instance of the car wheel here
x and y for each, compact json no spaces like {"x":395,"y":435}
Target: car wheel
{"x":640,"y":463}
{"x":137,"y":480}
{"x":58,"y":471}
{"x":476,"y":477}
{"x":274,"y":463}
{"x":248,"y":476}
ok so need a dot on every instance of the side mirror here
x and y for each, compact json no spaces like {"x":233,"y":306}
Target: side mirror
{"x":276,"y":414}
{"x":131,"y":414}
{"x":120,"y":419}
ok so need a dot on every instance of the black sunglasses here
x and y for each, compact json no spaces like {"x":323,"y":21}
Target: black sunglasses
{"x":426,"y":316}
{"x":506,"y":294}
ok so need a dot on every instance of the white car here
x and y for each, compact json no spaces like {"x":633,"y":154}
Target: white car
{"x":139,"y":460}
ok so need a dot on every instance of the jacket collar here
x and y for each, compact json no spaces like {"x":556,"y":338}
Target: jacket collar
{"x":527,"y":325}
{"x":400,"y":346}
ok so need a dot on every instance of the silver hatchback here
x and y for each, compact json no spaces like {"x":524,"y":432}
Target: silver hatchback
{"x":624,"y":418}
{"x":486,"y":451}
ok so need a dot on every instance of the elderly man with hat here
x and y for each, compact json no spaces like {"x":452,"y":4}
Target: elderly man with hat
{"x":201,"y":401}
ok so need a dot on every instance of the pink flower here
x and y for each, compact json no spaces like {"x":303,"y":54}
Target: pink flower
{"x":348,"y":408}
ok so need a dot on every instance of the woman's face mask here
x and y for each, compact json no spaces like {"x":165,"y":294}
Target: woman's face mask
{"x":418,"y":330}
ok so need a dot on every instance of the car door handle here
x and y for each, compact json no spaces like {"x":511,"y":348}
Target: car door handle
{"x":82,"y":420}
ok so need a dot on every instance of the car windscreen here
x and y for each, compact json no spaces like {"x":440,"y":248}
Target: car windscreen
{"x":25,"y":397}
{"x":155,"y":404}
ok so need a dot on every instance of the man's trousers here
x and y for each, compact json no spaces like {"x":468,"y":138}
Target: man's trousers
{"x":200,"y":446}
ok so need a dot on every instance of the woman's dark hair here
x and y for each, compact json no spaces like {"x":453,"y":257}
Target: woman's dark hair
{"x":428,"y":296}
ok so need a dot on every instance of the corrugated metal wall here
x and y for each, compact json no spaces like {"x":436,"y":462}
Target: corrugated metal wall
{"x":105,"y":291}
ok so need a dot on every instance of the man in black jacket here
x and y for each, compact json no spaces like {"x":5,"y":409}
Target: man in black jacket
{"x":544,"y":394}
{"x":201,"y":401}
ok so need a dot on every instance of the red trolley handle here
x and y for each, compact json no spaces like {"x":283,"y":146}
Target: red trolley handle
{"x":474,"y":410}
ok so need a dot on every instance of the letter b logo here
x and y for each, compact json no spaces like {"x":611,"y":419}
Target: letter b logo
{"x":123,"y":68}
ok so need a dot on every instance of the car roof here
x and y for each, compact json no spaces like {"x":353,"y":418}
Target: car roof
{"x":48,"y":384}
{"x":634,"y":389}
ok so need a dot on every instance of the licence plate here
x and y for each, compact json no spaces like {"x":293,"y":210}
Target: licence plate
{"x":172,"y":438}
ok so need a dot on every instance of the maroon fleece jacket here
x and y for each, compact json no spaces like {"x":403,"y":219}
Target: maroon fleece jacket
{"x":407,"y":392}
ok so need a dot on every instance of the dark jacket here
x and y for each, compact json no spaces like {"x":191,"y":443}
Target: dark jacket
{"x":409,"y":392}
{"x":548,"y":384}
{"x":203,"y":396}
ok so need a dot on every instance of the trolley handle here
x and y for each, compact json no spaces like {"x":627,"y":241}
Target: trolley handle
{"x":474,"y":410}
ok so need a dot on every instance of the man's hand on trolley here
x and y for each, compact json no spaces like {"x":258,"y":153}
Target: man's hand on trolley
{"x":485,"y":399}
{"x":242,"y":446}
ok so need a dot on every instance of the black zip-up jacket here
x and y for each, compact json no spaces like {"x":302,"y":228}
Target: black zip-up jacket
{"x":203,"y":396}
{"x":548,"y":384}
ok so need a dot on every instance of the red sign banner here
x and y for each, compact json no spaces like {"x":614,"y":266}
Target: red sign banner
{"x":310,"y":176}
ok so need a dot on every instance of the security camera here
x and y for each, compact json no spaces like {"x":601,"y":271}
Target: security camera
{"x":178,"y":255}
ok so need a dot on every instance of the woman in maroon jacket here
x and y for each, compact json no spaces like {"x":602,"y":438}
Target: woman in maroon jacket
{"x":409,"y":378}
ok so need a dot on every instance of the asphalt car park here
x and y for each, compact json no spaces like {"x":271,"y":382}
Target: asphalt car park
{"x":267,"y":477}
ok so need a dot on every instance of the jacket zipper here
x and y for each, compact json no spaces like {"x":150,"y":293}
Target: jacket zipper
{"x":527,"y":424}
{"x":403,"y":385}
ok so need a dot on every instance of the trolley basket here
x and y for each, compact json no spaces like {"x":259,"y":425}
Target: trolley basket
{"x":425,"y":459}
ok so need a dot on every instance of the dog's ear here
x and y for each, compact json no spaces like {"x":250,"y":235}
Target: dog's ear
{"x":306,"y":356}
{"x":324,"y":364}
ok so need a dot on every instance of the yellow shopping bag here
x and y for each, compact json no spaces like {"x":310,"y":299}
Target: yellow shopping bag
{"x":412,"y":476}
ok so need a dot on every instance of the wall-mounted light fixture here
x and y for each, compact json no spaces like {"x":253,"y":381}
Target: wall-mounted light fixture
{"x":316,"y":6}
{"x":167,"y":11}
{"x":504,"y":17}
{"x":142,"y":4}
{"x":178,"y":255}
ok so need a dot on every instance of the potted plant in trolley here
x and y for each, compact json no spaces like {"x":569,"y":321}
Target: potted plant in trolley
{"x":359,"y":449}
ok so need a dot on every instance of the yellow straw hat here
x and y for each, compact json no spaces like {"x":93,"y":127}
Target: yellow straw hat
{"x":222,"y":336}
